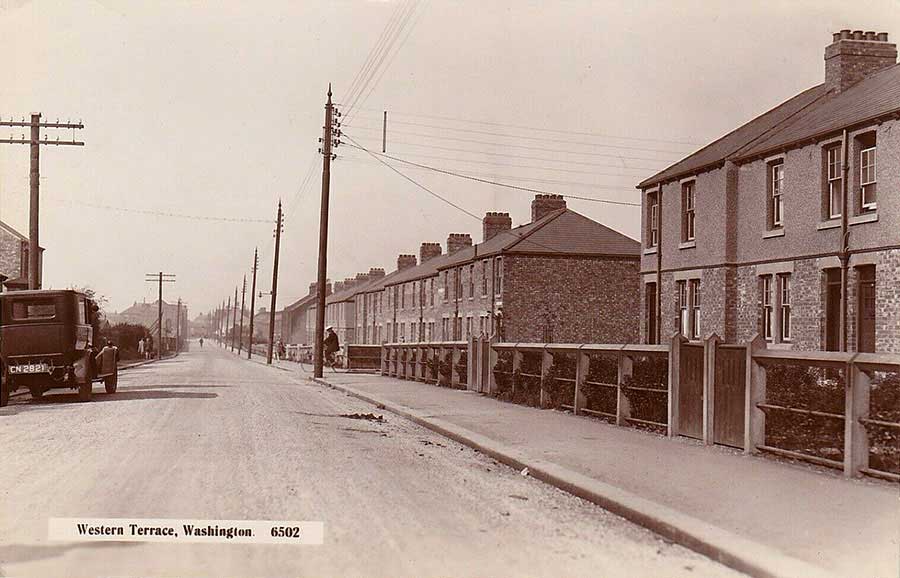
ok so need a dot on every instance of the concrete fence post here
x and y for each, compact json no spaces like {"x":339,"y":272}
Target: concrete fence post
{"x":517,"y":366}
{"x":493,"y":357}
{"x":582,"y":369}
{"x":384,"y":351}
{"x":472,"y":363}
{"x":454,"y":361}
{"x":546,"y":364}
{"x":623,"y":374}
{"x":710,"y":345}
{"x":674,"y":381}
{"x":754,"y":393}
{"x":856,"y":405}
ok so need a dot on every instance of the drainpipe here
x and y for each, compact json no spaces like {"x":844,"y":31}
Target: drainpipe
{"x":844,"y":254}
{"x":659,"y":197}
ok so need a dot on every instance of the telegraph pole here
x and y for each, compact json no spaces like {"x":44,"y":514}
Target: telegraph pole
{"x":234,"y":320}
{"x":279,"y":224}
{"x":159,"y":278}
{"x":241,"y":332}
{"x":227,"y":324}
{"x":178,"y":327}
{"x":34,"y":176}
{"x":328,"y":142}
{"x":253,"y":301}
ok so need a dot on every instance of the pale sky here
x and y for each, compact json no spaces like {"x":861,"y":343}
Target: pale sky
{"x":213,"y":109}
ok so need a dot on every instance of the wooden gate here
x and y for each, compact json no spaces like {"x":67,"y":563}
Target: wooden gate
{"x":728,"y":399}
{"x":690,"y":396}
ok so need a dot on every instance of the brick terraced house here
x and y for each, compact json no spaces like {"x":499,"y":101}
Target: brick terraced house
{"x":790,"y":223}
{"x":560,"y":278}
{"x":14,"y":258}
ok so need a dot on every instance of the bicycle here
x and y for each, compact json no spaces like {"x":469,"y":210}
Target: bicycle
{"x":335,"y":361}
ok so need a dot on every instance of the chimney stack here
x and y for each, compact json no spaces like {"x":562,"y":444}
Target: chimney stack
{"x":457,"y":241}
{"x":338,"y":286}
{"x":852,"y":56}
{"x":429,"y":251}
{"x":405,"y":262}
{"x":545,"y":204}
{"x":496,"y":223}
{"x":376,"y":273}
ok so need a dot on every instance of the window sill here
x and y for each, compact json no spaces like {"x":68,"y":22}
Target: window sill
{"x":779,"y":232}
{"x":871,"y":217}
{"x":829,"y":224}
{"x":650,"y":251}
{"x":687,"y":245}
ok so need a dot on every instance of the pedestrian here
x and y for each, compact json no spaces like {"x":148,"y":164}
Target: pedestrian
{"x":141,"y":347}
{"x":281,"y":350}
{"x":201,"y":343}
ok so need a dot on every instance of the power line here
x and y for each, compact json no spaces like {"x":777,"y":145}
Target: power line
{"x":539,"y":139}
{"x":480,"y":180}
{"x":162,"y":213}
{"x":603,"y":155}
{"x":372,"y":52}
{"x":534,"y":128}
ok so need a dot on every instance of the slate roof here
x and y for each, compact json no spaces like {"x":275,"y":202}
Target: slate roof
{"x":12,"y":231}
{"x":813,"y":113}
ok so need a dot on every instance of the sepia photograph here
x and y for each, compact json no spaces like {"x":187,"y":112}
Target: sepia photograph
{"x":450,"y":288}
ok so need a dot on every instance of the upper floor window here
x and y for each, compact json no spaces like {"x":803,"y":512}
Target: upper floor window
{"x":403,"y":296}
{"x":498,"y":276}
{"x":687,"y":211}
{"x":776,"y":188}
{"x":472,"y":280}
{"x":458,"y":285}
{"x":867,"y":172}
{"x":414,"y":293}
{"x":484,"y":278}
{"x":834,"y":181}
{"x":653,"y":219}
{"x":446,"y":286}
{"x":431,"y":291}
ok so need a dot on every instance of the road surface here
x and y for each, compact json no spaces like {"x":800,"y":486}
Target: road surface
{"x":213,"y":437}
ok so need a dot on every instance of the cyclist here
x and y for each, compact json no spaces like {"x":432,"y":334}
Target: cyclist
{"x":331,"y":345}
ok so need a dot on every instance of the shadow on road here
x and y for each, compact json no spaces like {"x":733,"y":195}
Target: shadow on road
{"x":17,"y":553}
{"x":49,"y":401}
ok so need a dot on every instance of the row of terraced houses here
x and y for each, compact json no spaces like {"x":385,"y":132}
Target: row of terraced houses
{"x":788,"y":226}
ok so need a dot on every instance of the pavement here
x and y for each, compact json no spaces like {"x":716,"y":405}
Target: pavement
{"x":209,"y":436}
{"x":758,"y":515}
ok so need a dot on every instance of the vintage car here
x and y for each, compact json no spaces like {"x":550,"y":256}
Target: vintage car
{"x":47,"y":342}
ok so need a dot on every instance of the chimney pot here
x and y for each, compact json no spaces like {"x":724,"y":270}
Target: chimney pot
{"x":870,"y":35}
{"x":457,"y":241}
{"x":857,"y":35}
{"x":882,"y":36}
{"x":429,"y":251}
{"x":405,"y":262}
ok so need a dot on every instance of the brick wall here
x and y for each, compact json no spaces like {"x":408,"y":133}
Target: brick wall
{"x":887,"y":302}
{"x":577,"y":300}
{"x":10,"y":255}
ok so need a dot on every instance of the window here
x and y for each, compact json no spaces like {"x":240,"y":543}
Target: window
{"x":785,"y":281}
{"x":431,"y":292}
{"x":446,"y":287}
{"x":650,"y":308}
{"x":484,"y":278}
{"x":498,"y":276}
{"x":695,"y":309}
{"x":776,"y":307}
{"x":653,"y":219}
{"x":834,"y":180}
{"x":471,"y":281}
{"x":414,"y":293}
{"x":687,"y":211}
{"x":445,"y":329}
{"x":767,"y":306}
{"x":458,"y":285}
{"x":867,"y":172}
{"x":683,"y":307}
{"x":776,"y":187}
{"x":35,"y":309}
{"x":468,"y":327}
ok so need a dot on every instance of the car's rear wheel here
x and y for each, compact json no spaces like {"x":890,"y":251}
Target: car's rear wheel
{"x":85,"y":391}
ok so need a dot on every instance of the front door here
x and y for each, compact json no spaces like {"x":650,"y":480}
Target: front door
{"x":833,"y":310}
{"x":690,"y":395}
{"x":729,"y":387}
{"x":866,"y":307}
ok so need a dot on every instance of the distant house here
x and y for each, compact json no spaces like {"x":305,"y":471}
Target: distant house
{"x":147,"y":314}
{"x":296,"y":319}
{"x":746,"y":236}
{"x":14,"y":259}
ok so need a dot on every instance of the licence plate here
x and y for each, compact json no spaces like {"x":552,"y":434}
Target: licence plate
{"x":30,"y":368}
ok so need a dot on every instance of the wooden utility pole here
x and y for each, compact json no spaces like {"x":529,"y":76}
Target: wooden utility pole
{"x":234,"y":320}
{"x":278,"y":226}
{"x":328,"y":142}
{"x":241,"y":331}
{"x":178,"y":327}
{"x":159,"y":278}
{"x":227,"y":321}
{"x":253,"y":301}
{"x":34,"y":176}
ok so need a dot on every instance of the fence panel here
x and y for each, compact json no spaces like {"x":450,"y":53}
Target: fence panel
{"x":729,"y":398}
{"x":690,"y":395}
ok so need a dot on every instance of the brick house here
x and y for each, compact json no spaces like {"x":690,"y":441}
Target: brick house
{"x":340,"y":306}
{"x":14,"y":258}
{"x":297,"y":324}
{"x":562,"y":277}
{"x":745,"y":235}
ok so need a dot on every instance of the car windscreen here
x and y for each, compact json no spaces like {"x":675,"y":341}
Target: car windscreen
{"x":33,"y":309}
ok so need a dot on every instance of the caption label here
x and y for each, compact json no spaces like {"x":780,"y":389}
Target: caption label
{"x":175,"y":530}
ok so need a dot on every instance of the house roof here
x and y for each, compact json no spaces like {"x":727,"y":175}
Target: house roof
{"x":813,"y":113}
{"x":560,"y":232}
{"x":300,"y":302}
{"x":870,"y":98}
{"x":721,"y":149}
{"x":13,"y":232}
